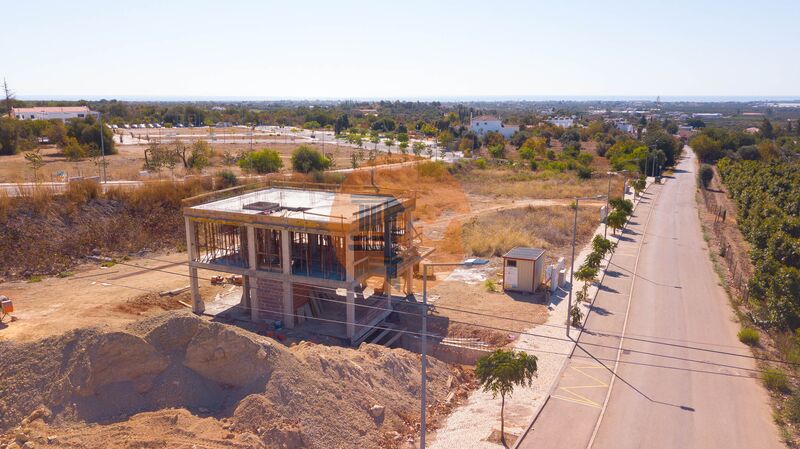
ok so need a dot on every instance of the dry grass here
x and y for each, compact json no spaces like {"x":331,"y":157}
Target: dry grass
{"x":58,"y":231}
{"x":549,"y":228}
{"x":438,"y":193}
{"x":503,"y":182}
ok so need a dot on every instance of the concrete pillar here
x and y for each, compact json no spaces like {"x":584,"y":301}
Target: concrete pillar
{"x":286,"y":265}
{"x":248,"y":298}
{"x":387,"y":285}
{"x":351,"y":311}
{"x":255,"y":305}
{"x":350,"y":305}
{"x":288,"y":304}
{"x":198,"y":306}
{"x":245,"y":301}
{"x":349,"y":257}
{"x":410,"y":281}
{"x":191,"y":249}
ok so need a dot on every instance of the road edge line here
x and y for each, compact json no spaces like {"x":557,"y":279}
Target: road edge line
{"x":574,"y":345}
{"x":624,"y":327}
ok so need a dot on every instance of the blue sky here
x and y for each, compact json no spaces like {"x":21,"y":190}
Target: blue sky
{"x":410,"y":49}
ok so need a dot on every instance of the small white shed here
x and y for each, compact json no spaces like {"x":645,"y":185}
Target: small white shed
{"x":523,"y":269}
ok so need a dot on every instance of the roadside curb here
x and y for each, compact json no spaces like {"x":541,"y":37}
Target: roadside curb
{"x":552,"y":388}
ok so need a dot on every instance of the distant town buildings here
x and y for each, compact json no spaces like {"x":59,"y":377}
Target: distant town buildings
{"x":707,"y":115}
{"x":483,"y":124}
{"x":563,"y":122}
{"x":685,"y":131}
{"x":53,"y":113}
{"x":624,"y":126}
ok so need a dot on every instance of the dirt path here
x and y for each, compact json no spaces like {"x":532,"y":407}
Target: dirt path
{"x":94,"y":296}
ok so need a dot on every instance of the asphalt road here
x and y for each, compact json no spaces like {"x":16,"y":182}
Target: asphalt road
{"x":662,"y":322}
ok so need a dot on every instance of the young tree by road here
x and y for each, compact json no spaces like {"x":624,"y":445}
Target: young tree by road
{"x":501,"y":371}
{"x":616,"y":220}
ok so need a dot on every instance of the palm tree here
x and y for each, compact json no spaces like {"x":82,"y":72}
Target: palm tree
{"x":500,"y":371}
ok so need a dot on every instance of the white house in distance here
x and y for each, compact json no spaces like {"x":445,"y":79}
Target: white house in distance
{"x":483,"y":124}
{"x":563,"y":122}
{"x":53,"y":113}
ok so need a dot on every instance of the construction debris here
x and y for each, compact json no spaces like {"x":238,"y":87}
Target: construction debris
{"x":174,"y":292}
{"x":178,"y":380}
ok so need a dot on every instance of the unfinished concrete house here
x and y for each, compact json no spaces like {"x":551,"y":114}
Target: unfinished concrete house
{"x":307,"y":251}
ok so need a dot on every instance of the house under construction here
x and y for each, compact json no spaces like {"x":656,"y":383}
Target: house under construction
{"x":306,"y":251}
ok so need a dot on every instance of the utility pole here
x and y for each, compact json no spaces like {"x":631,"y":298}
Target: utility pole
{"x":103,"y":150}
{"x":572,"y":265}
{"x":9,"y":96}
{"x":423,"y":425}
{"x":608,"y":198}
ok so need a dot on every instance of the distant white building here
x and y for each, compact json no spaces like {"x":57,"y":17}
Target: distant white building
{"x":53,"y":113}
{"x":563,"y":122}
{"x":626,"y":127}
{"x":486,"y":123}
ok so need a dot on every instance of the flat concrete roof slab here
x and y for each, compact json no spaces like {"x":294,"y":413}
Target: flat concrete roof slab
{"x":314,"y":205}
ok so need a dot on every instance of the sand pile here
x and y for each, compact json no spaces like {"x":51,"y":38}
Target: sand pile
{"x":178,"y":381}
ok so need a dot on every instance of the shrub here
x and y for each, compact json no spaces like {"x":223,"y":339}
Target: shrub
{"x":705,"y":175}
{"x":793,"y":408}
{"x":262,"y":161}
{"x":226,"y":178}
{"x":490,"y":285}
{"x":584,"y":172}
{"x":430,"y":169}
{"x":775,"y":380}
{"x":480,"y":163}
{"x":306,"y":159}
{"x":749,"y":336}
{"x":577,"y":315}
{"x":200,"y":156}
{"x":497,"y":151}
{"x":82,"y":191}
{"x":73,"y":150}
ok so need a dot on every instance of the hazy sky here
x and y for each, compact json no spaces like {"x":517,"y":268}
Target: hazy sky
{"x":353,"y":49}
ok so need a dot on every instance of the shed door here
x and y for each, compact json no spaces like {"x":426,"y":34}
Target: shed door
{"x":510,"y":275}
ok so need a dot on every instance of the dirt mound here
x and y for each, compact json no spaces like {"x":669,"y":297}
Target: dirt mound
{"x":115,"y":387}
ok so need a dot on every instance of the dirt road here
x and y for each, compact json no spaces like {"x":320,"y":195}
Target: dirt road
{"x":93,"y":296}
{"x":683,"y":379}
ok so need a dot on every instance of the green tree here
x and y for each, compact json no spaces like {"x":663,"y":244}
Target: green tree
{"x":626,"y":206}
{"x":705,"y":175}
{"x":602,"y":245}
{"x":306,"y":159}
{"x":445,"y":138}
{"x":497,"y":151}
{"x":766,"y":129}
{"x":587,"y":274}
{"x":616,"y":220}
{"x":262,"y":161}
{"x":501,"y":371}
{"x":200,"y":156}
{"x":639,"y":185}
{"x":35,"y":161}
{"x":73,"y":150}
{"x":341,"y":124}
{"x":417,"y":148}
{"x":706,"y":148}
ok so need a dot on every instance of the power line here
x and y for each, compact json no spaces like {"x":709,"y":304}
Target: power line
{"x":512,"y":331}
